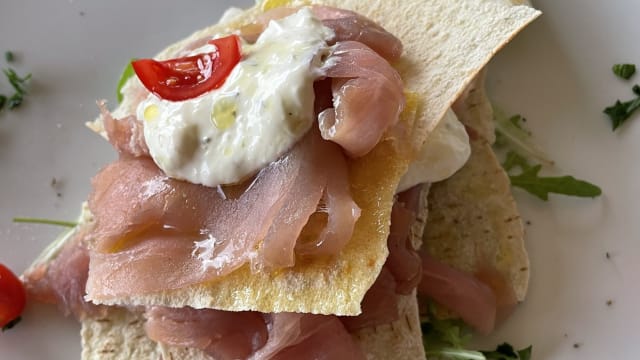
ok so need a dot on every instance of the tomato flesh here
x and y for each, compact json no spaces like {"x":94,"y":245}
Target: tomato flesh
{"x":12,"y":296}
{"x":189,"y":77}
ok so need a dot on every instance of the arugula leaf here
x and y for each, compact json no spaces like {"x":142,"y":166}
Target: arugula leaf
{"x":624,"y":71}
{"x":3,"y":100}
{"x":45,"y":222}
{"x":8,"y":56}
{"x":447,"y":340}
{"x":540,"y":186}
{"x":126,"y":74}
{"x":509,"y":131}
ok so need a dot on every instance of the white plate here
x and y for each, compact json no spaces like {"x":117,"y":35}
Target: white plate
{"x":556,"y":73}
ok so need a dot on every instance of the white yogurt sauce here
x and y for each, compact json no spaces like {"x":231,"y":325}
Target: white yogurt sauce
{"x":444,"y":152}
{"x":264,"y":107}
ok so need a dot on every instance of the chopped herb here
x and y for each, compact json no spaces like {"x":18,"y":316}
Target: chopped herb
{"x":11,"y":324}
{"x":15,"y":101}
{"x":447,"y":339}
{"x":624,"y":71}
{"x":529,"y":180}
{"x":8,"y":56}
{"x":19,"y":85}
{"x":577,"y":345}
{"x":621,"y":111}
{"x":126,"y":74}
{"x":45,"y":221}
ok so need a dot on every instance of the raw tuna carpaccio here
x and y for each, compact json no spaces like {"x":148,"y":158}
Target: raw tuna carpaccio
{"x":368,"y":98}
{"x":63,"y":280}
{"x":154,"y":233}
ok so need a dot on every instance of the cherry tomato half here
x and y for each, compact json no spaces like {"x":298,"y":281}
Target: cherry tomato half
{"x":191,"y":76}
{"x":12,"y":296}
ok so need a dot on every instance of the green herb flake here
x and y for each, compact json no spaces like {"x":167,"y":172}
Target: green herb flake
{"x":11,"y":324}
{"x":540,"y":186}
{"x":8,"y":56}
{"x":19,"y":85}
{"x":15,"y":101}
{"x":45,"y":222}
{"x":624,"y":71}
{"x":621,"y":111}
{"x":126,"y":74}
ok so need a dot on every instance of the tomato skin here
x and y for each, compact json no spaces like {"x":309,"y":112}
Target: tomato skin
{"x":13,"y":297}
{"x":188,"y":77}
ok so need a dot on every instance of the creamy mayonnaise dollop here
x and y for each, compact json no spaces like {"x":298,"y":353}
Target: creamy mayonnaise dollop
{"x":264,"y":107}
{"x":444,"y":152}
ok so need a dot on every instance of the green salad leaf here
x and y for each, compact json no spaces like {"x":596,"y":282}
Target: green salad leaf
{"x":540,"y":186}
{"x":507,"y":352}
{"x":447,"y":340}
{"x":511,"y":133}
{"x":126,"y":74}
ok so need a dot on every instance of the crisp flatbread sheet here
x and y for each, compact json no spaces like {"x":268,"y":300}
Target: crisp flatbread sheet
{"x":473,"y":218}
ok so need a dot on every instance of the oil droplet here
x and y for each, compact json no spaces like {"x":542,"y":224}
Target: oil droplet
{"x":223,"y":115}
{"x":151,"y":112}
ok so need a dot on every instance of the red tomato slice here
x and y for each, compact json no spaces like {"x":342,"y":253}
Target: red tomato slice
{"x":12,"y":296}
{"x":191,"y":76}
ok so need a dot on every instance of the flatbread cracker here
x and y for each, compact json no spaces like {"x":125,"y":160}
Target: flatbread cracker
{"x":473,"y":218}
{"x":446,"y":44}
